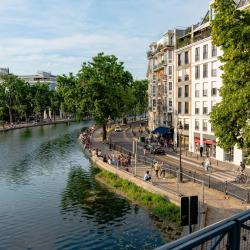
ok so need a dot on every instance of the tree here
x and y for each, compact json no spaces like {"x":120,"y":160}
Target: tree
{"x":140,"y":88}
{"x":104,"y":84}
{"x":230,"y":118}
{"x":12,"y":92}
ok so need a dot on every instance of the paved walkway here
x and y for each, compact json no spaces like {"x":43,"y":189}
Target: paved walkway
{"x":219,"y":206}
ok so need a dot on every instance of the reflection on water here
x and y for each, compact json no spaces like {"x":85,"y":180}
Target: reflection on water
{"x":50,"y":199}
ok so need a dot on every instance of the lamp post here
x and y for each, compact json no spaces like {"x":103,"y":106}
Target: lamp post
{"x":180,"y":128}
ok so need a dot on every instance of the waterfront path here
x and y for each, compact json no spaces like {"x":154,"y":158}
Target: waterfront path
{"x":219,"y":206}
{"x":29,"y":125}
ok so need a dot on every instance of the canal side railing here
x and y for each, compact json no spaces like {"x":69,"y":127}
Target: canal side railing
{"x":232,"y":233}
{"x":228,"y":188}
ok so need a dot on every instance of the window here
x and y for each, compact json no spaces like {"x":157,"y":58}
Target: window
{"x":204,"y":125}
{"x":186,"y":107}
{"x":196,"y":124}
{"x":186,"y":57}
{"x":197,"y":54}
{"x":186,"y":91}
{"x":229,"y":156}
{"x":205,"y":89}
{"x":170,"y":55}
{"x":197,"y":72}
{"x":166,"y":88}
{"x":179,"y":59}
{"x":205,"y":51}
{"x":154,"y":102}
{"x":214,"y":50}
{"x":179,"y":75}
{"x":179,"y":91}
{"x":213,"y":69}
{"x":186,"y":124}
{"x":170,"y":70}
{"x":170,"y":103}
{"x":197,"y":108}
{"x":214,"y":89}
{"x":205,"y":108}
{"x":170,"y":86}
{"x":153,"y":90}
{"x":205,"y":67}
{"x":186,"y":77}
{"x":197,"y":90}
{"x":179,"y":107}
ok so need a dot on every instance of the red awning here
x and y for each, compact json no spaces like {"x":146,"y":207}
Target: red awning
{"x":210,"y":142}
{"x":196,"y":140}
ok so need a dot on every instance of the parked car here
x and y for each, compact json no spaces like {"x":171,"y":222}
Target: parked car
{"x":158,"y":151}
{"x":118,"y":129}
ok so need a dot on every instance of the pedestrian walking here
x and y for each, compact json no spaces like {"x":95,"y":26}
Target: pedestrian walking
{"x":163,"y":171}
{"x":157,"y":168}
{"x":201,"y":151}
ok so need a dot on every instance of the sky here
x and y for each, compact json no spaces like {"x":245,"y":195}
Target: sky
{"x":59,"y":35}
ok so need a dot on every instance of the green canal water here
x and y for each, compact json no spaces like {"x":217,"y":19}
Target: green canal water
{"x":49,"y":198}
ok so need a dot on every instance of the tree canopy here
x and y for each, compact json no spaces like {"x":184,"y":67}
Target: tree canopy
{"x":231,"y":117}
{"x":104,"y":85}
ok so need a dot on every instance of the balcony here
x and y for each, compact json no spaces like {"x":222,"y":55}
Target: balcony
{"x":183,"y":41}
{"x":159,"y":65}
{"x":186,"y":77}
{"x":202,"y":34}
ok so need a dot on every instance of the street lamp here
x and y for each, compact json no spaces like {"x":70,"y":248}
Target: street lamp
{"x":180,"y":128}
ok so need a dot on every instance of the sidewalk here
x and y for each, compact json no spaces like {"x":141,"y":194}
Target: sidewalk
{"x":218,"y":207}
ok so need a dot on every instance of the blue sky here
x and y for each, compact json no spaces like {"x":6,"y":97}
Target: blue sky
{"x":58,"y":35}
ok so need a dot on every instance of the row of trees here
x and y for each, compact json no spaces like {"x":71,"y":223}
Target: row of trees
{"x":231,"y":117}
{"x":104,"y":90}
{"x":20,"y":101}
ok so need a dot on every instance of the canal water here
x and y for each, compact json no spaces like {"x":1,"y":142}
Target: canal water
{"x":49,"y":198}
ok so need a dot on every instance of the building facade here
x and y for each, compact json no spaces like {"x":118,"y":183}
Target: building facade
{"x":41,"y":77}
{"x":194,"y":82}
{"x":160,"y":76}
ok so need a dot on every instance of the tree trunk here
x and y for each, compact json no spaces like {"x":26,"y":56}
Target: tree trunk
{"x":104,"y":132}
{"x":124,"y":120}
{"x":10,"y":115}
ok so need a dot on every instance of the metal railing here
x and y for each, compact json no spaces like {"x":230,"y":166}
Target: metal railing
{"x":228,"y":188}
{"x":232,"y":233}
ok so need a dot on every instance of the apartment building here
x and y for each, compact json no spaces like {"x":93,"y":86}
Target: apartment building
{"x":42,"y":77}
{"x":194,"y":87}
{"x":4,"y":71}
{"x":182,"y":85}
{"x":160,"y":75}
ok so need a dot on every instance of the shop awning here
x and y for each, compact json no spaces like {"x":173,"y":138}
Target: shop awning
{"x":210,"y":142}
{"x":161,"y":131}
{"x":196,"y":140}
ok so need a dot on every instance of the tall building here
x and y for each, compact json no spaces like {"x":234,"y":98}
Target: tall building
{"x":161,"y":80}
{"x":190,"y":79}
{"x":4,"y":71}
{"x":41,"y":77}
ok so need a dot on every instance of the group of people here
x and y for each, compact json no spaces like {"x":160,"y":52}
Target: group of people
{"x":158,"y":168}
{"x":85,"y":136}
{"x":121,"y":160}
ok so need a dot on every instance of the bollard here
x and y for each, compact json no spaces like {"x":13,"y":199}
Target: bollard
{"x":226,"y":193}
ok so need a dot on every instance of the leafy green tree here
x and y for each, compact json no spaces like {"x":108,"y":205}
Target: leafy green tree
{"x":12,"y":92}
{"x":104,"y":84}
{"x":41,"y":100}
{"x":140,"y":88}
{"x":230,"y":118}
{"x":67,"y":88}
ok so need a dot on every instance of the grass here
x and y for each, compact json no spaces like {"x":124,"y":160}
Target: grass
{"x":155,"y":203}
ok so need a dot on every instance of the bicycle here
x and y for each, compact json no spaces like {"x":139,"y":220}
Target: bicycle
{"x":241,"y":177}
